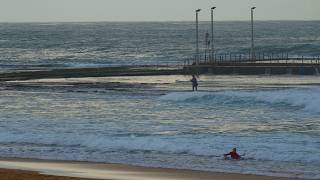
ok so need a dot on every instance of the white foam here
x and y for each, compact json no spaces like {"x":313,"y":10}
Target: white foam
{"x":189,"y":144}
{"x":183,"y":96}
{"x":307,"y":98}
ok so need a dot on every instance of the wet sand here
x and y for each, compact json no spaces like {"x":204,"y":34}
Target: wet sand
{"x":7,"y":174}
{"x":20,"y":169}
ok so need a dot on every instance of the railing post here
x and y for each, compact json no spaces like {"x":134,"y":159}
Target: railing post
{"x":270,"y":58}
{"x":215,"y":57}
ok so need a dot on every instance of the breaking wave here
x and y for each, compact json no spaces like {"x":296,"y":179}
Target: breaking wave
{"x":306,"y":98}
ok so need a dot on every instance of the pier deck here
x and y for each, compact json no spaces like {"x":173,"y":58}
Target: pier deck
{"x":296,"y":66}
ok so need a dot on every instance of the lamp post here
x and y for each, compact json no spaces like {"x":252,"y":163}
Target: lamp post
{"x":252,"y":40}
{"x":197,"y":37}
{"x":212,"y":45}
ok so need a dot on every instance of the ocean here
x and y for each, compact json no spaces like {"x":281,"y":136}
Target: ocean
{"x":57,"y":45}
{"x":157,"y":121}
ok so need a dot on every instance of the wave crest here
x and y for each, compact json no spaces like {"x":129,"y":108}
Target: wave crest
{"x":306,"y":98}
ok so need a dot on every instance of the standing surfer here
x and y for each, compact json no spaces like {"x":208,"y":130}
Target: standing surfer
{"x":194,"y":83}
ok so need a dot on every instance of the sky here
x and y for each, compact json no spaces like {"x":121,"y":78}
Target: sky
{"x":154,"y":10}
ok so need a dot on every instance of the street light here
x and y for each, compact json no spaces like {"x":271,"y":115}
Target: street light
{"x":197,"y":37}
{"x":212,"y":45}
{"x":252,"y":40}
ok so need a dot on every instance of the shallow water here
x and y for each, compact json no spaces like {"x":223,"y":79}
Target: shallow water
{"x":157,"y":121}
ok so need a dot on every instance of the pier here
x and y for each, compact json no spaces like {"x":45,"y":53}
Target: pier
{"x":255,"y":62}
{"x":262,"y":64}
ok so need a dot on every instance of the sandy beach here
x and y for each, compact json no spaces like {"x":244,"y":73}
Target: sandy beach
{"x":9,"y":174}
{"x":12,"y":168}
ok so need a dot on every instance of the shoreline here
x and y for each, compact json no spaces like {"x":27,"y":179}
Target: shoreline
{"x":9,"y":174}
{"x":93,"y":170}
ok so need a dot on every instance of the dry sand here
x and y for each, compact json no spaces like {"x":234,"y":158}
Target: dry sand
{"x":25,"y":169}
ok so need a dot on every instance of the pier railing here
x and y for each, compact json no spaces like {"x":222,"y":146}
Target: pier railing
{"x":281,"y":58}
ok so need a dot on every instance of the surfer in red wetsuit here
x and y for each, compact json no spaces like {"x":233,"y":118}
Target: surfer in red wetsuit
{"x":233,"y":154}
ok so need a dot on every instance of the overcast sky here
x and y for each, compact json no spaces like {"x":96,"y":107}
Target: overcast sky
{"x":154,"y":10}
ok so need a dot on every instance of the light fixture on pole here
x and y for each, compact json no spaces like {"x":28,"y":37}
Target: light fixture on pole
{"x":197,"y":37}
{"x":252,"y":35}
{"x":212,"y":45}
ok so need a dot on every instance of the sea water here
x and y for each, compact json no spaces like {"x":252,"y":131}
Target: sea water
{"x":157,"y":121}
{"x":57,"y":45}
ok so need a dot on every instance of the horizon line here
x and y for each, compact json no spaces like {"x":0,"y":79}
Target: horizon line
{"x":153,"y":21}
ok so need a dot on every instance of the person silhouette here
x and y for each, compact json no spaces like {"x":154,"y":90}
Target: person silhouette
{"x":194,"y":83}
